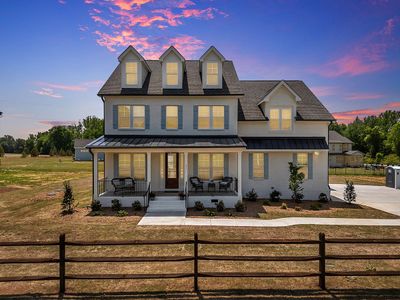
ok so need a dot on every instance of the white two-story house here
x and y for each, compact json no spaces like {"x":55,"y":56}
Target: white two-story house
{"x":192,"y":128}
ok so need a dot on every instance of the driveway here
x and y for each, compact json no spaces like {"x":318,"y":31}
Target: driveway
{"x":379,"y":197}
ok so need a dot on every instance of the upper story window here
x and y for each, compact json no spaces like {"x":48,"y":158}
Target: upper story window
{"x":211,"y":117}
{"x":172,"y":73}
{"x":124,"y":116}
{"x":280,"y":118}
{"x":131,"y":69}
{"x":131,"y":117}
{"x":138,"y":116}
{"x":171,"y":117}
{"x":212,"y":73}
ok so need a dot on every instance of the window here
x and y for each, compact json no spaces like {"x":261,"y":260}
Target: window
{"x":212,"y":73}
{"x":132,"y":165}
{"x":258,"y":165}
{"x":171,"y":117}
{"x":172,"y":73}
{"x":131,"y":69}
{"x":211,"y":166}
{"x":124,"y":113}
{"x":139,"y":166}
{"x":211,"y":117}
{"x":138,"y":116}
{"x":124,"y":165}
{"x":204,"y":166}
{"x":302,"y":162}
{"x":280,"y":118}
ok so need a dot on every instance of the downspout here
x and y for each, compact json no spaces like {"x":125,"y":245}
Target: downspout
{"x":91,"y":152}
{"x":104,"y":133}
{"x":330,"y":123}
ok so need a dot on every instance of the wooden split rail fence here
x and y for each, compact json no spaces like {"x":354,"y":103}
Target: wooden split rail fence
{"x":321,"y":258}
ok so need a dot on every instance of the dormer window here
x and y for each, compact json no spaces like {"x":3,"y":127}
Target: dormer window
{"x":131,"y":73}
{"x":212,"y":73}
{"x":280,"y":119}
{"x":172,"y":73}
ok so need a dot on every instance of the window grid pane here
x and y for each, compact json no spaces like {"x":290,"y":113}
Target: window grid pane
{"x":123,"y":116}
{"x":286,"y":119}
{"x":138,"y":116}
{"x":172,"y":117}
{"x":217,"y":166}
{"x":302,"y":162}
{"x":131,"y":73}
{"x":139,"y":166}
{"x":258,"y":165}
{"x":218,"y":117}
{"x":204,"y":117}
{"x":274,"y":119}
{"x":204,"y":166}
{"x":212,"y":73}
{"x":124,"y":165}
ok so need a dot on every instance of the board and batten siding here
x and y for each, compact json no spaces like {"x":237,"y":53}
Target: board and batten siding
{"x":155,"y":114}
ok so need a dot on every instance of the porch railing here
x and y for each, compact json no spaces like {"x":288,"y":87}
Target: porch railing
{"x":146,"y":197}
{"x":105,"y":187}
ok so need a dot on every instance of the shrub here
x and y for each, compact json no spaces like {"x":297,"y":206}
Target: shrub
{"x":209,"y":213}
{"x":275,"y":196}
{"x":298,"y":208}
{"x":68,"y":153}
{"x":323,"y":198}
{"x":97,"y":213}
{"x":116,"y":205}
{"x":391,"y":159}
{"x":62,"y":152}
{"x":137,"y":205}
{"x":35,"y":152}
{"x":24,"y":153}
{"x":266,"y":202}
{"x":252,"y":195}
{"x":240,"y":206}
{"x":122,"y":213}
{"x":296,"y":179}
{"x":152,"y":195}
{"x":284,"y":206}
{"x":53,"y":151}
{"x":1,"y":151}
{"x":315,"y":206}
{"x":96,"y":205}
{"x":349,"y":192}
{"x":68,"y":202}
{"x":220,"y":206}
{"x":199,"y":205}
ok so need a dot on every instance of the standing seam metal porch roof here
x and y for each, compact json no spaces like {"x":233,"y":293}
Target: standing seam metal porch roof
{"x":286,"y":143}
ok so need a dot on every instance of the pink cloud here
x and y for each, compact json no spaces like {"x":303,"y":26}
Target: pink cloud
{"x":83,"y":28}
{"x":79,"y":87}
{"x":129,"y":4}
{"x":89,"y":1}
{"x":321,"y":91}
{"x":368,"y":56}
{"x":187,"y":45}
{"x":101,"y":20}
{"x":348,"y":116}
{"x":47,"y":92}
{"x":62,"y":1}
{"x":364,"y":96}
{"x":185,"y":3}
{"x":57,"y":123}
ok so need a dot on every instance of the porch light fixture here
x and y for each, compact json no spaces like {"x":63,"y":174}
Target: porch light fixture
{"x":316,"y":153}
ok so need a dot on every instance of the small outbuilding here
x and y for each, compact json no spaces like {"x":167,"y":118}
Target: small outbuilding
{"x":393,"y":177}
{"x":81,"y":152}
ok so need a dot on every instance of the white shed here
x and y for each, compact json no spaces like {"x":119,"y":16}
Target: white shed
{"x":393,"y":177}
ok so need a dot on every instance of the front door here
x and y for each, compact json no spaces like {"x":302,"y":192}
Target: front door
{"x":172,"y":170}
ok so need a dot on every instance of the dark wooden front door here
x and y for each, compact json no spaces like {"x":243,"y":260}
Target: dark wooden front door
{"x":172,"y":170}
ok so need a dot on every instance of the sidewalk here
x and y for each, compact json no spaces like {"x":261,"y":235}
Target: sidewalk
{"x":283,"y":222}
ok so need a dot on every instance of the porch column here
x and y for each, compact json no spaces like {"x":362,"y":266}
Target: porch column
{"x":239,"y":174}
{"x":148,"y":166}
{"x":185,"y":167}
{"x":95,"y":175}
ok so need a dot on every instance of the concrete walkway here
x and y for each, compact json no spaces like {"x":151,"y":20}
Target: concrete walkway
{"x":379,"y":197}
{"x":283,"y":222}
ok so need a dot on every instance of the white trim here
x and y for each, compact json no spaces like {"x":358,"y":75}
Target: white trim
{"x":168,"y":51}
{"x":268,"y":96}
{"x":212,"y":49}
{"x":135,"y":52}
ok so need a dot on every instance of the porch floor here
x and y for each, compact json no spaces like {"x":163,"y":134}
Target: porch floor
{"x":124,"y":194}
{"x":167,"y":193}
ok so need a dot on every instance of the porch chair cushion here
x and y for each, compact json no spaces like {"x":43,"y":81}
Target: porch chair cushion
{"x":196,"y":183}
{"x":123,"y":184}
{"x":225,"y":183}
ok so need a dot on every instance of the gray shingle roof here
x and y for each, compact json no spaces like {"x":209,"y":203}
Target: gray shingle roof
{"x":166,"y":142}
{"x":309,"y":108}
{"x":336,"y":137}
{"x":192,"y":84}
{"x":290,"y":143}
{"x":81,"y":143}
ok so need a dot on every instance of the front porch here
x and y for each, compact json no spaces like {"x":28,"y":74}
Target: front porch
{"x":168,"y":176}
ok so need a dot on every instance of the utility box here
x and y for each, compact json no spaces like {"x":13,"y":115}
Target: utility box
{"x":393,"y":177}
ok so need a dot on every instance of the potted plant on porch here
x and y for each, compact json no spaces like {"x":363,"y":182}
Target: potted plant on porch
{"x":181,"y":195}
{"x":152,"y":195}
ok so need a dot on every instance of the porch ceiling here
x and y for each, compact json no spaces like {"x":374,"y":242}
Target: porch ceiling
{"x":109,"y":142}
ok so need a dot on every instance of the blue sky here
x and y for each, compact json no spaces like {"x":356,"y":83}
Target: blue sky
{"x":57,"y":53}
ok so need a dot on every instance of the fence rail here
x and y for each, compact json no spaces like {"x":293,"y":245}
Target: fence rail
{"x":196,"y":258}
{"x":357,"y":171}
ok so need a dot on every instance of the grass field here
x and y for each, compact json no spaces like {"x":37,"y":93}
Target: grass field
{"x":30,"y":210}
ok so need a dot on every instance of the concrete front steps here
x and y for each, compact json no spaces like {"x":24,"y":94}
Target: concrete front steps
{"x":167,"y":205}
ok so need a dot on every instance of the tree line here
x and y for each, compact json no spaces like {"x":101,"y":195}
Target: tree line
{"x":377,"y":136}
{"x":58,"y":140}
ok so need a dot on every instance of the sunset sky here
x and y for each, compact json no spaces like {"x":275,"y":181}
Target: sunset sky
{"x":55,"y":54}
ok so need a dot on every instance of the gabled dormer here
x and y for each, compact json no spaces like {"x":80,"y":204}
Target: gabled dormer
{"x":134,"y":68}
{"x":211,"y":68}
{"x":279,"y":105}
{"x":173,"y":67}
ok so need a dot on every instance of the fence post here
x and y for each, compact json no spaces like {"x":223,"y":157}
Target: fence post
{"x":322,"y":261}
{"x":62,"y":264}
{"x":196,"y":262}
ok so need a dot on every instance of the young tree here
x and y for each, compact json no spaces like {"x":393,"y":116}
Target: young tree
{"x":34,"y":151}
{"x":53,"y":151}
{"x":296,"y":179}
{"x":68,"y":202}
{"x":394,"y":138}
{"x":349,"y":192}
